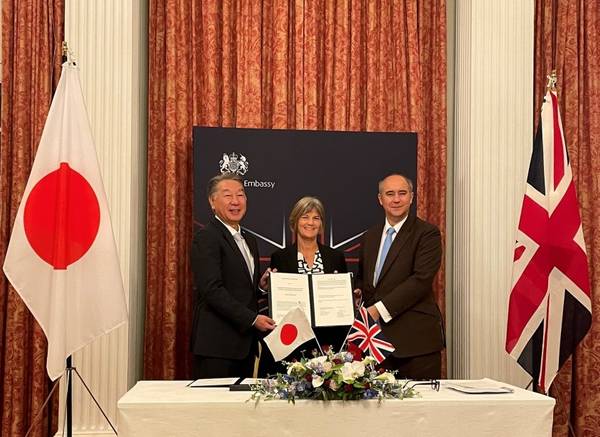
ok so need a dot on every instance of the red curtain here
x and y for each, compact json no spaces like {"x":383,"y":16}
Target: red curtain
{"x":567,"y":39}
{"x":32,"y":33}
{"x":370,"y":65}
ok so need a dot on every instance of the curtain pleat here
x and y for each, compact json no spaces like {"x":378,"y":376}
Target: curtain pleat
{"x":32,"y":33}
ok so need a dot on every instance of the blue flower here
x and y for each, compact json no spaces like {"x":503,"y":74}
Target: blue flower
{"x":369,"y":394}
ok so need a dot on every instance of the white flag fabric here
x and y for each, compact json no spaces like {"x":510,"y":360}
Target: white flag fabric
{"x":293,"y":330}
{"x":62,"y":258}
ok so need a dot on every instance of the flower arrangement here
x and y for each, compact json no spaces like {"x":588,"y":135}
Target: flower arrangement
{"x":332,"y":376}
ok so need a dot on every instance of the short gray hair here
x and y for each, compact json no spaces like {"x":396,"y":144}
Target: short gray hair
{"x":304,"y":205}
{"x":211,"y":187}
{"x":407,"y":179}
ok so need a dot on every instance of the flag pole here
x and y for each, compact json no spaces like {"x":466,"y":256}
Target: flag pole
{"x":69,"y":367}
{"x":69,"y":371}
{"x":350,"y":329}
{"x":319,"y":344}
{"x":346,"y":339}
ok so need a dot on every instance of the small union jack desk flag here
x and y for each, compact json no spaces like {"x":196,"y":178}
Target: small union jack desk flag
{"x":549,"y":310}
{"x":367,"y":335}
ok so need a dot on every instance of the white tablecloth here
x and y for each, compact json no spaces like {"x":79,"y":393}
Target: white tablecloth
{"x":169,"y":408}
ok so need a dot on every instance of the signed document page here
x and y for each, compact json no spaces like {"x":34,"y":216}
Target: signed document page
{"x":289,"y":290}
{"x":332,"y":297}
{"x":213,"y":382}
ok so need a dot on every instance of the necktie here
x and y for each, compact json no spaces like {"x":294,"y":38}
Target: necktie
{"x":239,"y":239}
{"x":385,"y":247}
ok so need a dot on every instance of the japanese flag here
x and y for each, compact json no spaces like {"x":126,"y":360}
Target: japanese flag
{"x":62,"y":258}
{"x":293,"y":330}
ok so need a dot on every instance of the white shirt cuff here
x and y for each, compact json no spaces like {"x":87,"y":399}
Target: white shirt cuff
{"x":383,"y":312}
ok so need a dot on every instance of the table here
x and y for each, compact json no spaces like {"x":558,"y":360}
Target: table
{"x":169,"y":408}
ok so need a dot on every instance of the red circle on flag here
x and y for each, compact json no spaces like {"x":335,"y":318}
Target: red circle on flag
{"x":288,"y":334}
{"x":61,"y":217}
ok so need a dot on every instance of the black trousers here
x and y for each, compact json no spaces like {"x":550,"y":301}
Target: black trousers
{"x":210,"y":367}
{"x":421,"y":367}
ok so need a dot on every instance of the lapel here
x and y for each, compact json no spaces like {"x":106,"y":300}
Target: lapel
{"x":251,"y":242}
{"x":291,"y":259}
{"x":234,"y":247}
{"x":399,"y":241}
{"x":326,"y":260}
{"x":372,"y":240}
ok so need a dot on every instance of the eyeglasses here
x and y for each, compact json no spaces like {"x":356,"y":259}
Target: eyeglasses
{"x":433,"y":383}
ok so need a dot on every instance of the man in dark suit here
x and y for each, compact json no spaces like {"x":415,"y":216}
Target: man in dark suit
{"x":398,"y":262}
{"x":226,"y":273}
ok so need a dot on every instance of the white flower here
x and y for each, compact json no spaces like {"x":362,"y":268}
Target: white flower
{"x":317,"y":381}
{"x":353,"y":370}
{"x":386,"y":376}
{"x":368,"y":360}
{"x":333,"y":385}
{"x":327,"y":366}
{"x":348,"y":373}
{"x":296,"y":367}
{"x":358,"y":367}
{"x":313,"y":363}
{"x":340,"y":356}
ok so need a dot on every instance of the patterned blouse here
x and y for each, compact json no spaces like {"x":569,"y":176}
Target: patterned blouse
{"x":317,"y":267}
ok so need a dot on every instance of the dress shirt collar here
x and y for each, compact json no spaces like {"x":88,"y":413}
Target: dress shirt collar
{"x":396,"y":227}
{"x":229,"y":227}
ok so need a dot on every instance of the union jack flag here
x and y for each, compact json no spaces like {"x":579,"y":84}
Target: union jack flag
{"x":549,"y":309}
{"x":366,"y":334}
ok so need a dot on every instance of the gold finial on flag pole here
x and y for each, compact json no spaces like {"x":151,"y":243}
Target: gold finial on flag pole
{"x":65,"y":51}
{"x":552,"y":79}
{"x":67,"y":55}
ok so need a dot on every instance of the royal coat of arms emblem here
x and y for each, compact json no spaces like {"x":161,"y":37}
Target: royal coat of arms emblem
{"x":234,"y":163}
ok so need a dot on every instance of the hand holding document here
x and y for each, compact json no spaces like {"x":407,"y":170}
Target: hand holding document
{"x":263,"y":283}
{"x":325,"y":299}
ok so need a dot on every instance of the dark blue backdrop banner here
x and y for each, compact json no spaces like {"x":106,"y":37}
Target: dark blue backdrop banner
{"x":280,"y":166}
